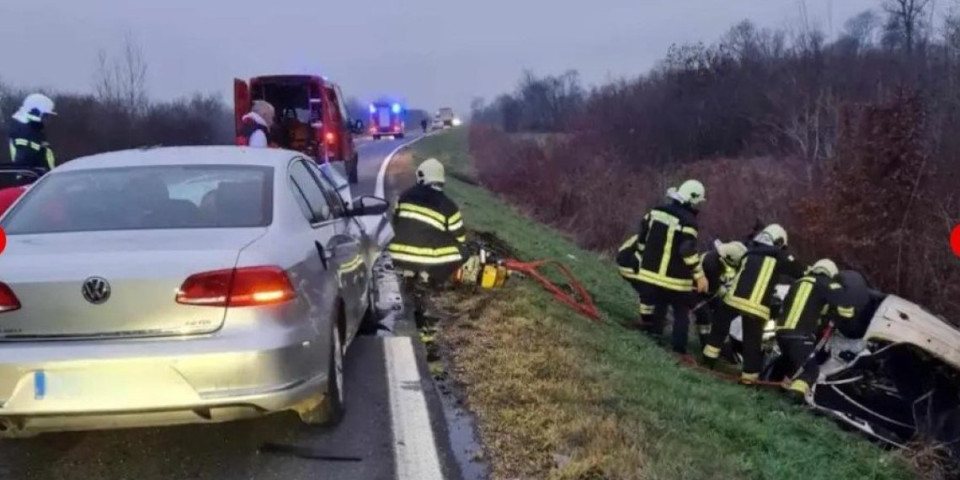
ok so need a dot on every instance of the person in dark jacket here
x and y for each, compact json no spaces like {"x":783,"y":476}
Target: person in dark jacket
{"x":751,"y":298}
{"x":811,"y":300}
{"x":429,"y":236}
{"x":257,"y":125}
{"x":857,"y":299}
{"x":669,"y":269}
{"x":27,"y":136}
{"x":720,"y":266}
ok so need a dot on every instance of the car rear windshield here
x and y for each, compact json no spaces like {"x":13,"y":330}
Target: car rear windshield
{"x":150,"y":197}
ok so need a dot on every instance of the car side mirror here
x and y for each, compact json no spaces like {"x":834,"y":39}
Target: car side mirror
{"x":358,"y":126}
{"x":369,"y":205}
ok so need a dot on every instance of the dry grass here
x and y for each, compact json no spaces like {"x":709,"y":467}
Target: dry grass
{"x":540,"y":411}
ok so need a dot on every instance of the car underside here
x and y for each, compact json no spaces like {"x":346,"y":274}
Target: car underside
{"x":899,"y":384}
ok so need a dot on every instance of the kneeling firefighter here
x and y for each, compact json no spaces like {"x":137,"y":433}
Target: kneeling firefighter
{"x":751,"y":297}
{"x":429,"y":237}
{"x":810,"y":300}
{"x":669,"y":266}
{"x":720,"y":266}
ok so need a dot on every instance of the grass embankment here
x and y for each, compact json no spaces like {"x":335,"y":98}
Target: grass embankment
{"x":557,"y":396}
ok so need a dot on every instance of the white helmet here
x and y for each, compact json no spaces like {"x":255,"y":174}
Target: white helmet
{"x":773,"y":235}
{"x":826,"y":267}
{"x":690,"y":192}
{"x":732,"y":252}
{"x":430,"y":172}
{"x":38,"y":104}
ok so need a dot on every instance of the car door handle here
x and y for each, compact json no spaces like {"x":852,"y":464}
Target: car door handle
{"x":324,"y":255}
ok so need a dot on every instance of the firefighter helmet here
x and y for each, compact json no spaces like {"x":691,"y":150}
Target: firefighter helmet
{"x":773,"y":235}
{"x":826,"y":267}
{"x":691,"y":192}
{"x":38,"y":104}
{"x":430,"y":172}
{"x":732,"y":252}
{"x":265,"y":110}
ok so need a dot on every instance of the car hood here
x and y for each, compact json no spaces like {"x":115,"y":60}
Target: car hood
{"x":900,"y":321}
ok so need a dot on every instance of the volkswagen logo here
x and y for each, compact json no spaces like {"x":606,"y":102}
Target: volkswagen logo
{"x":96,"y":290}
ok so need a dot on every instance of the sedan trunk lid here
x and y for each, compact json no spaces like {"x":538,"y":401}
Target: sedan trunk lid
{"x":113,"y":284}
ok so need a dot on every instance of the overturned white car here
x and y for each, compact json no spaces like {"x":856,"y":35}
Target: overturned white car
{"x":900,"y":382}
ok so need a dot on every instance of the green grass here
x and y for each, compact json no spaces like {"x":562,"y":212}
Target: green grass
{"x":686,"y":424}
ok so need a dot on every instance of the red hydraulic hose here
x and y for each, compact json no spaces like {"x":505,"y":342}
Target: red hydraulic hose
{"x":580,"y":301}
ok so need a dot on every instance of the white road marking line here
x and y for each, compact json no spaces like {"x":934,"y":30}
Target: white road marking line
{"x":414,"y":448}
{"x":382,"y":174}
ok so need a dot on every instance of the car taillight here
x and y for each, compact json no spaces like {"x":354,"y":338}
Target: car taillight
{"x":331,"y":138}
{"x":396,"y":128}
{"x":239,"y":287}
{"x":8,"y":301}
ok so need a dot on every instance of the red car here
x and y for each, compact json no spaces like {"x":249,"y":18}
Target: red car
{"x":311,"y":116}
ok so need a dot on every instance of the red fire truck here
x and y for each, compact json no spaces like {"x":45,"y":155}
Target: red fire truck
{"x":386,"y":119}
{"x":310,"y":116}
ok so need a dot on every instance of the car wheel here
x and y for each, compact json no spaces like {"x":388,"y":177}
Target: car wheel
{"x":376,"y":137}
{"x":400,"y":136}
{"x":370,"y":323}
{"x":329,"y":412}
{"x":352,"y":170}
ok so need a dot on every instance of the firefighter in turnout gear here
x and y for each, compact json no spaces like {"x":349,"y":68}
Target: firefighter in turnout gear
{"x":720,"y":266}
{"x":669,"y":270}
{"x":813,"y":298}
{"x":429,"y":237}
{"x":751,"y":297}
{"x":28,"y":140}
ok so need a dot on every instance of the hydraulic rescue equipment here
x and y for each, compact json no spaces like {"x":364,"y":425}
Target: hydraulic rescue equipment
{"x":488,"y":271}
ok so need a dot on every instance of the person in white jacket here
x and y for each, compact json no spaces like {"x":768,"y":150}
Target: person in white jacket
{"x":257,"y":124}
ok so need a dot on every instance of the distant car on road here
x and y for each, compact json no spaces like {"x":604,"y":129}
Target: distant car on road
{"x":181,"y":285}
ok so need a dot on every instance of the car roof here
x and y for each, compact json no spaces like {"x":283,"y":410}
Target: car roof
{"x":200,"y":155}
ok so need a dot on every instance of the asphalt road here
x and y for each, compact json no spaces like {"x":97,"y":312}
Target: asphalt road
{"x":363,"y":446}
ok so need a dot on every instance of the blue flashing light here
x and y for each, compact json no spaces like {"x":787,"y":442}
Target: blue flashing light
{"x":396,"y":108}
{"x":373,"y":109}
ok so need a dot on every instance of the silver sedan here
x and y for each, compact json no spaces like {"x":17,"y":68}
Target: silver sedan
{"x":181,"y":285}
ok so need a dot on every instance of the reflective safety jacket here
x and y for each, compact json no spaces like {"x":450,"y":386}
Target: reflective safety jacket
{"x":761,"y":267}
{"x":428,"y":229}
{"x":28,"y":145}
{"x":718,"y":272}
{"x":667,"y":248}
{"x":810,"y":299}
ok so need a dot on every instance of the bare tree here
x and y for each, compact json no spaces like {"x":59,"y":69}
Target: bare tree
{"x":906,"y":21}
{"x":862,"y":28}
{"x":122,"y":79}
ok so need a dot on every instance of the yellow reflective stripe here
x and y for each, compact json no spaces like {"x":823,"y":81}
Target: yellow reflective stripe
{"x":456,"y":226}
{"x":13,"y":151}
{"x":423,"y":210}
{"x":406,"y":257}
{"x":21,"y":142}
{"x":689,"y":231}
{"x":835,"y":286}
{"x":744,"y":306}
{"x":665,"y":281}
{"x":351,"y":265}
{"x":749,"y":378}
{"x":462,"y":238}
{"x":667,"y":252}
{"x":36,"y":146}
{"x":692,"y":260}
{"x":456,"y":217}
{"x":34,"y":118}
{"x":629,"y":243}
{"x":799,"y":303}
{"x":51,"y":162}
{"x":845,"y":312}
{"x":646,"y":309}
{"x":422,"y":218}
{"x":664,"y":217}
{"x":763,"y":279}
{"x":431,"y":252}
{"x":628,"y":273}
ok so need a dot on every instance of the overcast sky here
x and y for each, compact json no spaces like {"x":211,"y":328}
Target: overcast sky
{"x":431,"y":52}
